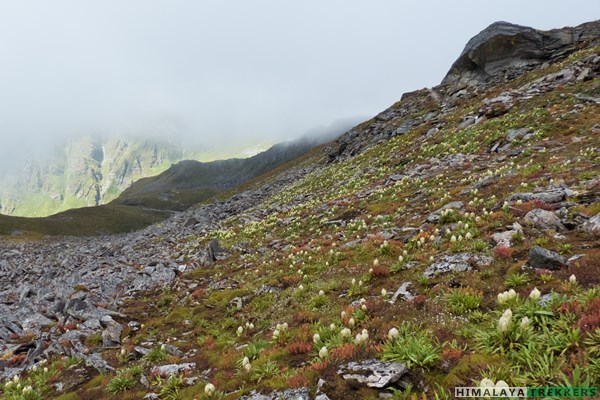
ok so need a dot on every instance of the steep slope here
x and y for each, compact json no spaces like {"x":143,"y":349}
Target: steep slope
{"x":452,"y":238}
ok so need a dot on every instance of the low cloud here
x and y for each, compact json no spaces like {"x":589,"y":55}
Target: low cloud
{"x":216,"y":73}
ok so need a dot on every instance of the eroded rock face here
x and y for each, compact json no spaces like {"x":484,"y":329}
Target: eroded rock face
{"x":504,"y":50}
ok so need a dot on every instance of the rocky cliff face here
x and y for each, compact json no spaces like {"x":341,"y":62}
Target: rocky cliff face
{"x":504,"y":50}
{"x":498,"y":54}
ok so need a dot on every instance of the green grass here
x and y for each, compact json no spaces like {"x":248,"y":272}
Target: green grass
{"x":87,"y":221}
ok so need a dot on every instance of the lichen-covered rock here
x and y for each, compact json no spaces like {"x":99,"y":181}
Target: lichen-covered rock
{"x":460,"y":262}
{"x":544,"y":219}
{"x":173,"y":369}
{"x":549,"y":196}
{"x":290,"y":394}
{"x":593,"y":225}
{"x":373,"y":373}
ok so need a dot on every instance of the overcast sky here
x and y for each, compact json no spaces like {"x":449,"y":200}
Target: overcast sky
{"x":223,"y":70}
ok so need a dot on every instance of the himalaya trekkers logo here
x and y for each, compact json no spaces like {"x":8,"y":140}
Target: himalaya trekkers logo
{"x":487,"y":388}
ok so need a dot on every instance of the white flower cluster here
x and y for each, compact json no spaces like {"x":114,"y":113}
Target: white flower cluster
{"x":488,"y":383}
{"x":505,"y":320}
{"x":279,"y":329}
{"x":361,"y":337}
{"x":209,"y":389}
{"x":507,"y":296}
{"x":535,"y":294}
{"x":246,"y":364}
{"x":323,"y":353}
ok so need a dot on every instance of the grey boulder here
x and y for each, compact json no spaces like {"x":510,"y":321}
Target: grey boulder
{"x":373,"y":373}
{"x":544,"y":258}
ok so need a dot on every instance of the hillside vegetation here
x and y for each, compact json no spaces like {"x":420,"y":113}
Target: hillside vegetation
{"x":452,"y":240}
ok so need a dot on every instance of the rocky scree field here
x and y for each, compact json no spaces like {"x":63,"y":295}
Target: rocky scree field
{"x":452,"y":238}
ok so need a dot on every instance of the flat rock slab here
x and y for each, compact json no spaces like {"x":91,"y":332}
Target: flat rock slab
{"x":460,"y":262}
{"x":290,"y":394}
{"x":549,"y":196}
{"x":173,"y":369}
{"x":373,"y":373}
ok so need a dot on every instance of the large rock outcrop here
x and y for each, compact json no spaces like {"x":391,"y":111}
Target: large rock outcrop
{"x":504,"y":50}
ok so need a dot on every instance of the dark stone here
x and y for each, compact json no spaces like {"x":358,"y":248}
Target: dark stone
{"x":543,"y":258}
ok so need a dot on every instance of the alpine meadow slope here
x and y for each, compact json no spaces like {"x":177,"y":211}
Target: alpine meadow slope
{"x":451,"y":240}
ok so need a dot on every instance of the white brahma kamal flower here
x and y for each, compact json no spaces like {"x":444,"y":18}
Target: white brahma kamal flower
{"x":502,"y":384}
{"x":345,"y":333}
{"x":487,"y":383}
{"x":525,"y":323}
{"x":365,"y":334}
{"x":502,"y":297}
{"x":362,"y":337}
{"x":375,"y":262}
{"x":316,"y":338}
{"x":573,"y":279}
{"x":321,"y":293}
{"x":384,"y":292}
{"x":351,"y":322}
{"x":332,"y":327}
{"x":323,"y":353}
{"x":504,"y":321}
{"x":393,"y":334}
{"x":209,"y":389}
{"x":535,"y":294}
{"x":240,"y":330}
{"x":512,"y":294}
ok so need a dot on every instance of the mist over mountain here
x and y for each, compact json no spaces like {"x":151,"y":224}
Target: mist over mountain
{"x":91,"y":170}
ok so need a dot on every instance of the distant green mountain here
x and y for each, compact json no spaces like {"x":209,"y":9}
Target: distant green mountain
{"x":90,"y":171}
{"x":154,"y":198}
{"x":189,"y":182}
